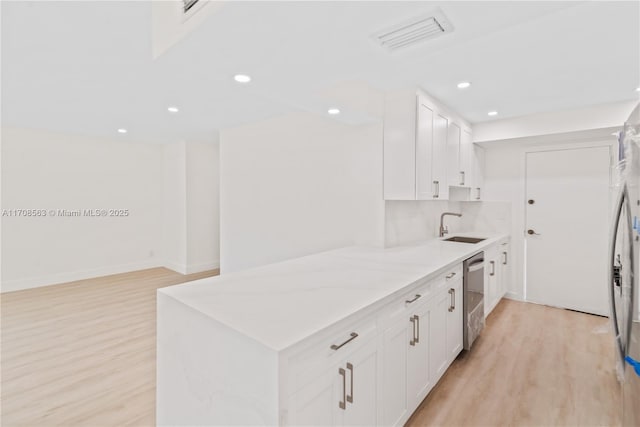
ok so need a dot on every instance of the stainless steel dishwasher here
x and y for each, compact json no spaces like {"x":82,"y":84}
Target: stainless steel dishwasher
{"x":473,"y":287}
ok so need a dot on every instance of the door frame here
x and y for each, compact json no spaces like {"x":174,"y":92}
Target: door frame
{"x":547,"y":147}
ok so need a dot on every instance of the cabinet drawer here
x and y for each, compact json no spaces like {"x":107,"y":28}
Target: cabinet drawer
{"x":447,"y":278}
{"x":329,"y":350}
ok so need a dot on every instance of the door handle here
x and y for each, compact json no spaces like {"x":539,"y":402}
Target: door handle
{"x":415,"y":321}
{"x":622,"y":202}
{"x":493,"y":268}
{"x":505,"y":258}
{"x":409,"y":301}
{"x":452,"y":293}
{"x":461,"y":177}
{"x":350,"y":395}
{"x":478,"y":196}
{"x":531,"y":232}
{"x":337,"y":347}
{"x":343,"y":403}
{"x":437,"y":190}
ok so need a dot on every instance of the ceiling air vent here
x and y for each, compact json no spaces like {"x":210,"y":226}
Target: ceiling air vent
{"x":414,"y":31}
{"x":188,"y":4}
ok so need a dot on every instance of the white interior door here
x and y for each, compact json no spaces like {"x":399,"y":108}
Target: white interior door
{"x":567,"y":221}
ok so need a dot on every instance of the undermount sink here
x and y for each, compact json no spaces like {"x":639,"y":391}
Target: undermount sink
{"x":461,"y":239}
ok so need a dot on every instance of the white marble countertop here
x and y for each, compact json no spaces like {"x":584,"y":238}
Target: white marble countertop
{"x":281,"y":304}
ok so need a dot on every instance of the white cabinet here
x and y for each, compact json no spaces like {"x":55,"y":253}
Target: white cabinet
{"x":478,"y":173}
{"x":395,"y":405}
{"x":496,"y":275}
{"x":438,"y":344}
{"x":344,"y":394}
{"x":455,"y":320}
{"x":419,"y":378}
{"x":504,"y":276}
{"x":422,"y":143}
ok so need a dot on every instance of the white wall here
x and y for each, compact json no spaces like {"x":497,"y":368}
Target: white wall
{"x":51,"y":171}
{"x":191,"y":206}
{"x":296,"y":185}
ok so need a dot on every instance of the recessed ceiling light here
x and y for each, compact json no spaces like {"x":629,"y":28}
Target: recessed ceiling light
{"x":638,"y":89}
{"x":492,"y":113}
{"x":242,"y":78}
{"x":172,"y":109}
{"x":333,"y":111}
{"x":464,"y":85}
{"x":122,"y":130}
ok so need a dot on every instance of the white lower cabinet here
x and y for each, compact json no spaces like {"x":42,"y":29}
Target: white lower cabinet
{"x":345,"y":394}
{"x":382,"y":380}
{"x":496,"y":275}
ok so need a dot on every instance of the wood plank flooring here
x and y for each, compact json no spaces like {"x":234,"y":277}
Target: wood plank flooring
{"x":532,"y":366}
{"x":83,"y":354}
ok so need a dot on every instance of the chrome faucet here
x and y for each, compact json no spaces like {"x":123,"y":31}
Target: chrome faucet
{"x":444,"y":230}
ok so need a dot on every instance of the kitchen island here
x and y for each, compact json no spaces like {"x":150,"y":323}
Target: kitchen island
{"x":357,"y":335}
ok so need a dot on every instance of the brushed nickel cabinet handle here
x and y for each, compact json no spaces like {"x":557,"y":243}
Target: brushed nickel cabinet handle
{"x":452,"y":294}
{"x":461,"y":177}
{"x":437,"y":190}
{"x":337,"y":347}
{"x":350,"y":395}
{"x":450,"y":276}
{"x":413,"y":341}
{"x":493,"y":268}
{"x":505,"y":258}
{"x":343,"y":404}
{"x":409,"y":301}
{"x":478,"y":196}
{"x":417,"y":328}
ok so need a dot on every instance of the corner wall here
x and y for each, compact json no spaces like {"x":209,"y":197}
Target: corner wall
{"x":55,"y":172}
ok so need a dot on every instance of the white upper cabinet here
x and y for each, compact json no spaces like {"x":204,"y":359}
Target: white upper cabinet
{"x":423,"y":148}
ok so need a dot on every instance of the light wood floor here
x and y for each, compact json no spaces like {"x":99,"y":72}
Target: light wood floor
{"x":83,"y":354}
{"x":532,"y":366}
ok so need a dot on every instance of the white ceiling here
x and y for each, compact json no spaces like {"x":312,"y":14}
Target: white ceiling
{"x":87,"y":66}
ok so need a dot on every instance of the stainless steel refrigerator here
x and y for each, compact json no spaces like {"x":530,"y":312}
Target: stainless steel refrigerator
{"x":624,"y":269}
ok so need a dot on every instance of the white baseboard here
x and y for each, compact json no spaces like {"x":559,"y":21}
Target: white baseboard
{"x":514,"y":296}
{"x":192,"y":268}
{"x":52,"y":279}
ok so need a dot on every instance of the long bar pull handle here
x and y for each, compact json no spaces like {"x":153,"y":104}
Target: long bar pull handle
{"x":343,"y":403}
{"x":461,"y":177}
{"x":417,"y":328}
{"x":437,"y":190}
{"x":409,"y":301}
{"x":505,"y":258}
{"x":337,"y":347}
{"x":493,"y":268}
{"x":478,"y":196}
{"x":413,"y":341}
{"x":350,"y":395}
{"x":452,"y":294}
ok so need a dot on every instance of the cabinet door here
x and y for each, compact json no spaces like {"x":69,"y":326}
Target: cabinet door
{"x":361,"y":387}
{"x":394,"y":378}
{"x":454,"y":320}
{"x":439,"y":159}
{"x":504,"y":269}
{"x":478,"y":174}
{"x":467,"y":160}
{"x":491,"y":283}
{"x":455,"y":173}
{"x":438,"y":336}
{"x":425,"y":188}
{"x":419,"y":378}
{"x":317,"y":402}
